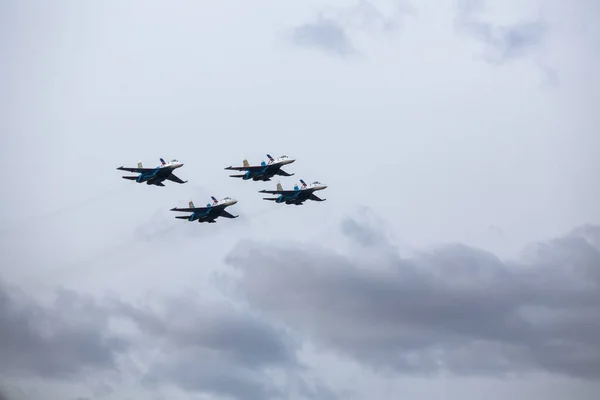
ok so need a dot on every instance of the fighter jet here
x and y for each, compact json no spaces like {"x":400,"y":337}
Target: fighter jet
{"x":208,"y":213}
{"x":155,"y":176}
{"x":297,"y":196}
{"x":265,"y":171}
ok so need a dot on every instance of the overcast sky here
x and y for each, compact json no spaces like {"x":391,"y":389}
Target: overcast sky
{"x":457,"y":254}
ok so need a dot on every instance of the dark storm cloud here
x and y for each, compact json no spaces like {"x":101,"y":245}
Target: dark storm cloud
{"x":503,"y":43}
{"x":60,"y":341}
{"x":454,"y":308}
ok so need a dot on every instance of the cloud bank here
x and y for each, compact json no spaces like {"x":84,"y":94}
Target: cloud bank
{"x":454,"y":309}
{"x":449,"y":310}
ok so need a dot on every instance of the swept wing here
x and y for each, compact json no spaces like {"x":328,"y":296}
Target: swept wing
{"x":283,"y":192}
{"x":190,"y":209}
{"x":247,"y":168}
{"x":139,"y":170}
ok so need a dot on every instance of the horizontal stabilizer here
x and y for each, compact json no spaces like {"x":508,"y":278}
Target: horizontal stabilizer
{"x":227,"y":215}
{"x":315,"y":198}
{"x":174,"y":178}
{"x":283,"y":173}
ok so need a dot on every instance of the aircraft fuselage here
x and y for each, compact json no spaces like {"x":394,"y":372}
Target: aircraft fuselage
{"x":155,"y":176}
{"x":300,"y":195}
{"x":265,"y":173}
{"x":212,"y":211}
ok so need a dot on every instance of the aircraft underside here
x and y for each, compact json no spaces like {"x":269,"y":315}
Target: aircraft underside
{"x":295,"y":201}
{"x":262,"y":175}
{"x":262,"y":178}
{"x":298,"y":201}
{"x":156,"y":181}
{"x":210,"y":220}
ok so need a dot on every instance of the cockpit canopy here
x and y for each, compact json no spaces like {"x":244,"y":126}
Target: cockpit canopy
{"x":227,"y":198}
{"x":174,"y":161}
{"x":316,"y":183}
{"x":284,"y":156}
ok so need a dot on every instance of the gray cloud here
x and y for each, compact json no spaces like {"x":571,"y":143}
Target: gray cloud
{"x":213,"y":349}
{"x":57,"y":342}
{"x":198,"y":370}
{"x":239,"y":336}
{"x":503,"y":43}
{"x":330,"y":31}
{"x":455,"y":308}
{"x":210,"y":348}
{"x":325,"y":34}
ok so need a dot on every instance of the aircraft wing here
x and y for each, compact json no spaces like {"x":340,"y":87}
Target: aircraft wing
{"x":174,"y":178}
{"x":284,"y":192}
{"x":139,"y":170}
{"x":227,"y":215}
{"x":248,"y":168}
{"x":189,"y":209}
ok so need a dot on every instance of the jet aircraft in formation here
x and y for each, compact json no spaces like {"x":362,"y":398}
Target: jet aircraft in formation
{"x":208,"y":213}
{"x":297,"y":196}
{"x":155,"y":176}
{"x":263,"y":172}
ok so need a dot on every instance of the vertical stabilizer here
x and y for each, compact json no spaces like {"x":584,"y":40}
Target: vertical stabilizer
{"x":140,"y":164}
{"x":191,"y":204}
{"x":246,"y":163}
